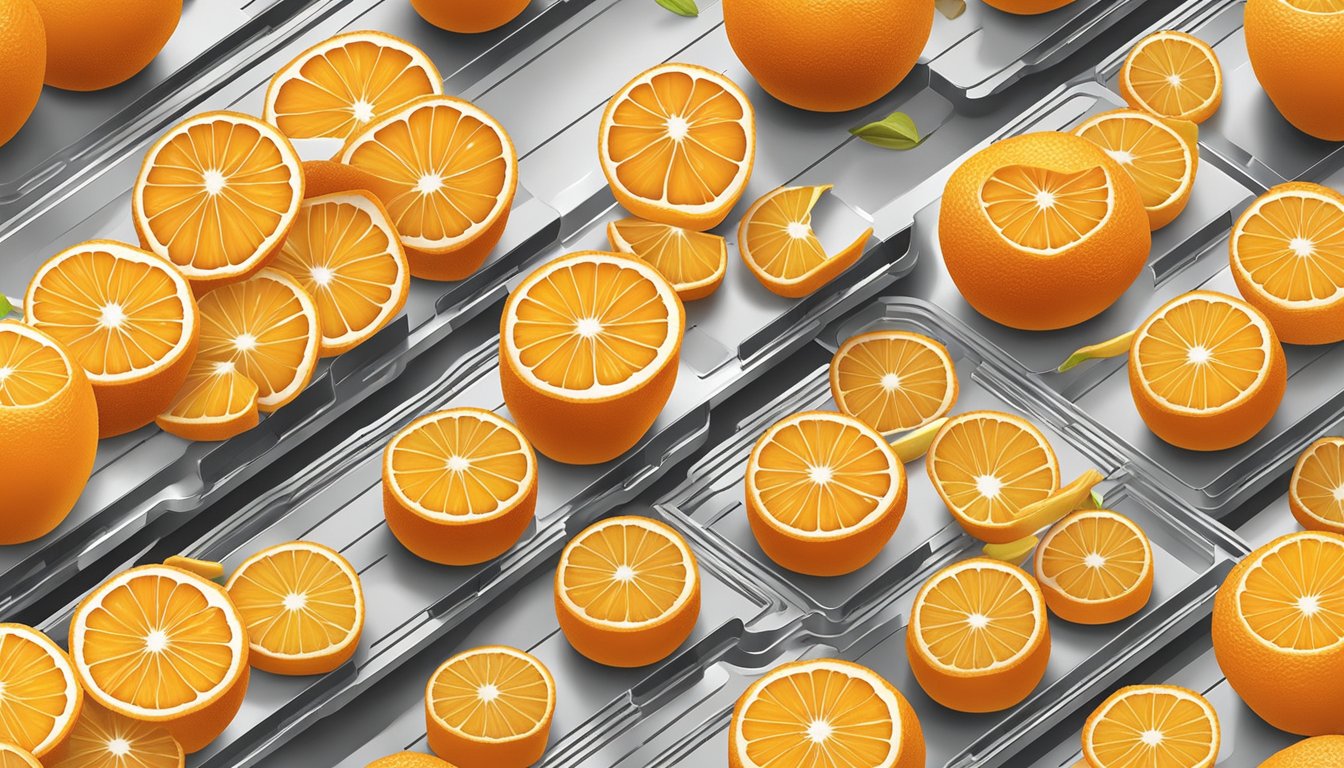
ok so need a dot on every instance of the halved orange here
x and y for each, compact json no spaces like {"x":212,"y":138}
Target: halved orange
{"x":42,"y":696}
{"x":1316,"y":490}
{"x":1095,"y":567}
{"x":17,"y":757}
{"x":216,"y":195}
{"x":1152,"y":726}
{"x":447,"y":173}
{"x":459,"y":486}
{"x":105,"y":739}
{"x":978,"y":639}
{"x":1206,"y":371}
{"x":216,"y":402}
{"x":589,"y":347}
{"x":345,"y":254}
{"x":824,"y":713}
{"x":1288,"y":260}
{"x":780,"y":248}
{"x":490,"y":706}
{"x":1161,"y":155}
{"x":1173,"y":74}
{"x":127,"y":317}
{"x":677,"y":144}
{"x":627,"y":591}
{"x":345,"y":82}
{"x":693,"y":262}
{"x":409,"y":760}
{"x":893,"y":381}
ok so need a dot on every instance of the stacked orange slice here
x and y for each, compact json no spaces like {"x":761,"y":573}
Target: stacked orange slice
{"x":1160,"y":154}
{"x":17,"y":757}
{"x":490,"y":707}
{"x":780,"y":248}
{"x":693,"y":262}
{"x":893,"y":380}
{"x":1173,"y":74}
{"x":1316,"y":490}
{"x":42,"y":695}
{"x":1095,"y":567}
{"x":105,"y":739}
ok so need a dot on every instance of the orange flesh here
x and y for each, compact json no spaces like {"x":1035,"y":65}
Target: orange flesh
{"x":776,"y":724}
{"x":683,"y":256}
{"x":779,"y":234}
{"x":521,"y":696}
{"x":1172,"y":76}
{"x":1152,"y":155}
{"x":1293,"y":247}
{"x":1320,"y":483}
{"x":893,"y":382}
{"x":1043,"y":210}
{"x":214,"y":392}
{"x":974,"y":618}
{"x":105,"y":739}
{"x":33,"y":371}
{"x":625,"y":573}
{"x":296,"y":602}
{"x":459,"y":466}
{"x":1201,"y":354}
{"x":1187,"y":734}
{"x":1094,"y":558}
{"x":15,"y":757}
{"x":258,"y":326}
{"x":990,"y":468}
{"x":1294,"y":597}
{"x":35,"y":693}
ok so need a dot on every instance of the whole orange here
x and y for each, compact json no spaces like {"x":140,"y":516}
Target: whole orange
{"x":1295,"y":50}
{"x":23,"y":62}
{"x":828,"y":55}
{"x":469,"y":16}
{"x":96,"y":44}
{"x":1027,"y":7}
{"x":1317,"y":752}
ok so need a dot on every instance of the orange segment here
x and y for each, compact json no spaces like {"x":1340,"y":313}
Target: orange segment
{"x":43,"y":699}
{"x":1316,"y":491}
{"x":216,"y":402}
{"x":1152,"y":726}
{"x":1095,"y":567}
{"x":490,"y":706}
{"x":693,"y":262}
{"x":1160,"y":155}
{"x":17,"y":757}
{"x":893,"y":381}
{"x":1043,"y":211}
{"x":677,"y":144}
{"x":105,"y":739}
{"x":1172,"y":74}
{"x":346,"y":82}
{"x":780,"y":248}
{"x":216,"y":196}
{"x":627,"y":591}
{"x":823,"y":713}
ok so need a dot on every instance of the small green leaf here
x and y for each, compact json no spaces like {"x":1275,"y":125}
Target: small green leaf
{"x":5,"y":306}
{"x":680,"y":7}
{"x":896,"y":131}
{"x":1097,"y":500}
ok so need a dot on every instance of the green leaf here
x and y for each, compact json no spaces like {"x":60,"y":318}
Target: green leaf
{"x":1097,"y":500}
{"x":896,"y":131}
{"x":5,"y":306}
{"x":680,"y":7}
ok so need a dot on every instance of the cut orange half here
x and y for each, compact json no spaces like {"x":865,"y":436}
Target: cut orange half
{"x":1161,"y":155}
{"x":1206,"y":371}
{"x":216,"y":402}
{"x":217,"y":195}
{"x":346,"y":82}
{"x":447,"y":173}
{"x":1316,"y":491}
{"x":459,"y":486}
{"x":42,"y":697}
{"x":1095,"y":567}
{"x":1288,"y":261}
{"x":693,"y":262}
{"x":104,"y":739}
{"x":1152,"y":726}
{"x":825,"y":493}
{"x":490,"y":706}
{"x":893,"y":381}
{"x":780,"y":248}
{"x":677,"y":144}
{"x":627,"y":591}
{"x":822,"y":713}
{"x":978,"y":639}
{"x":1173,"y":74}
{"x":17,"y":757}
{"x":127,"y":317}
{"x":589,"y":349}
{"x":1045,"y":212}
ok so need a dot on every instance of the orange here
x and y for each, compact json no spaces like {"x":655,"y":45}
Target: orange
{"x":677,"y":144}
{"x":216,"y":402}
{"x":1160,"y":154}
{"x":1027,"y":7}
{"x":104,"y":739}
{"x":1316,"y":490}
{"x":589,"y":347}
{"x":627,"y":591}
{"x":216,"y":195}
{"x":49,"y":420}
{"x":23,"y":63}
{"x":1318,"y":752}
{"x":127,"y":317}
{"x":1173,"y":74}
{"x":409,"y":760}
{"x":490,"y":707}
{"x":693,"y":262}
{"x":780,"y":248}
{"x":821,"y":713}
{"x":447,"y":173}
{"x":1277,"y":634}
{"x":161,"y":645}
{"x":1294,"y":51}
{"x":1152,"y":726}
{"x":978,"y":638}
{"x":43,"y":698}
{"x":828,"y":57}
{"x":326,"y":177}
{"x":1206,"y":371}
{"x":459,"y":486}
{"x":1095,"y":567}
{"x":17,"y":757}
{"x":345,"y":82}
{"x":825,"y":492}
{"x":303,"y":607}
{"x":893,"y":381}
{"x":1288,"y":260}
{"x":93,"y":44}
{"x":1042,"y":231}
{"x":469,"y":16}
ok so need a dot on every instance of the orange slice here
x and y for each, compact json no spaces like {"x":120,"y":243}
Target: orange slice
{"x":693,"y":262}
{"x":345,"y":254}
{"x":825,"y":493}
{"x":104,"y":739}
{"x":893,"y":381}
{"x":978,"y":639}
{"x":447,"y":173}
{"x":1288,"y":261}
{"x":1095,"y":567}
{"x":459,"y":486}
{"x":346,"y":82}
{"x":490,"y":706}
{"x":215,"y":403}
{"x":589,"y":349}
{"x":677,"y":144}
{"x":1316,"y":490}
{"x":127,"y":317}
{"x":1161,"y":155}
{"x":1172,"y":74}
{"x":821,"y":713}
{"x":1206,"y":371}
{"x":42,"y":697}
{"x":1152,"y":726}
{"x":17,"y":757}
{"x":161,"y":645}
{"x":780,"y":248}
{"x":627,"y":591}
{"x":217,"y":195}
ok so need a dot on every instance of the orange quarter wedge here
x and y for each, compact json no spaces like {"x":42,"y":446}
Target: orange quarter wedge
{"x":1316,"y":490}
{"x":1155,"y":726}
{"x":893,"y":381}
{"x":693,"y":262}
{"x":1160,"y":154}
{"x":1095,"y":567}
{"x":780,"y":248}
{"x":490,"y":707}
{"x":105,"y":739}
{"x":43,"y":697}
{"x":1173,"y":74}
